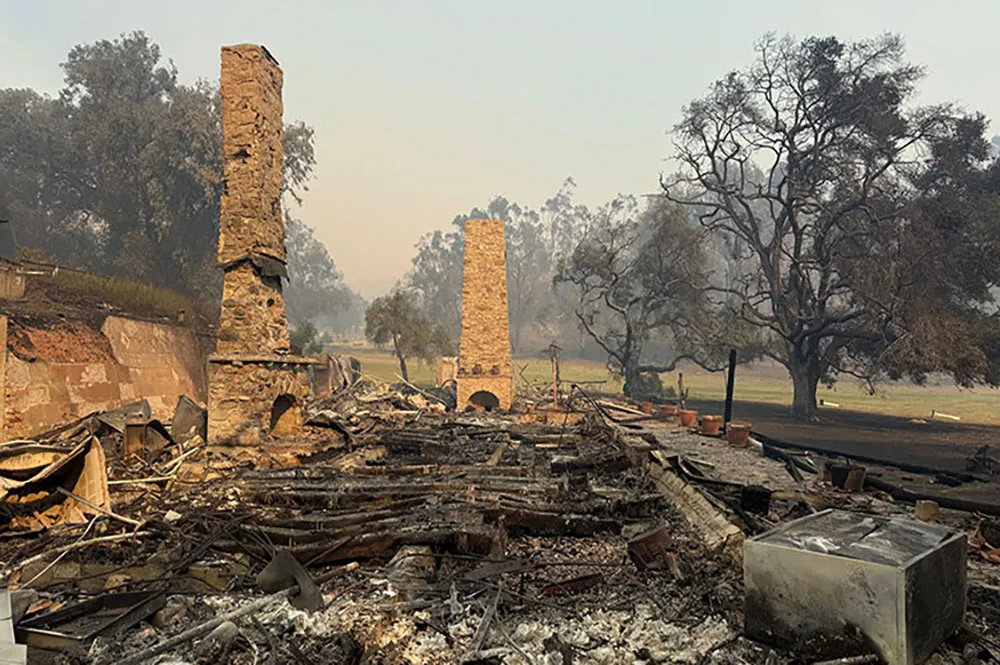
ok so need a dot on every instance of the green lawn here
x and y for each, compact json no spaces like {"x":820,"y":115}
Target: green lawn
{"x":384,"y":366}
{"x":753,"y":384}
{"x":981,"y":405}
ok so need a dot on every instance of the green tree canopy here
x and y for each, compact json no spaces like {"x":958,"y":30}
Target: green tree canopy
{"x":121,"y":173}
{"x":397,"y":318}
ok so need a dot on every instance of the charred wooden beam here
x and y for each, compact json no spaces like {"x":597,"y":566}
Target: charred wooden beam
{"x":540,"y":523}
{"x":378,"y":544}
{"x":615,"y":463}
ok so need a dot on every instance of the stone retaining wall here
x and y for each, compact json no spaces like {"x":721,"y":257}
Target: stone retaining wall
{"x":55,"y":374}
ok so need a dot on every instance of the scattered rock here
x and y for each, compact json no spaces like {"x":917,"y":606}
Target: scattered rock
{"x":218,"y":639}
{"x":173,"y":612}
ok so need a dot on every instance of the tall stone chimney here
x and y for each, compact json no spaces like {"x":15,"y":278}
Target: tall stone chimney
{"x":485,"y":370}
{"x":251,"y":226}
{"x":256,"y":388}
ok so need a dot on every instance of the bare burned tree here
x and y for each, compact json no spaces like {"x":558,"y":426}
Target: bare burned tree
{"x":637,"y":275}
{"x":807,"y":162}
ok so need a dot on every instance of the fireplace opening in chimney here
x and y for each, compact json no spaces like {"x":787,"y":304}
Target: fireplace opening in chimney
{"x":484,"y":400}
{"x":283,"y":415}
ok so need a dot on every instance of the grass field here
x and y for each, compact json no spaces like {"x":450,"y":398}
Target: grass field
{"x":753,"y":384}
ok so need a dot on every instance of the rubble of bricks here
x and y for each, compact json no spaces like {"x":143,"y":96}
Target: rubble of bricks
{"x":485,"y":370}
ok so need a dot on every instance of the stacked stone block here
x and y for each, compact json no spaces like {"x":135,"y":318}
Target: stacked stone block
{"x":251,"y":227}
{"x":484,"y":365}
{"x":252,"y":377}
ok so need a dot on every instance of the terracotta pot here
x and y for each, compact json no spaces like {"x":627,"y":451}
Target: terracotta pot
{"x":711,"y":425}
{"x":671,"y":413}
{"x":647,"y":408}
{"x":928,"y":511}
{"x":689,"y":418}
{"x":738,"y":434}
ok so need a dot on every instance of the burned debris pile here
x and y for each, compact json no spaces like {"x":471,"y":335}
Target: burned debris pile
{"x":310,"y":514}
{"x":359,"y":406}
{"x":405,"y":533}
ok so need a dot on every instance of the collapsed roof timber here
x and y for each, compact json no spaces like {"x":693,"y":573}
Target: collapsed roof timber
{"x":583,"y":532}
{"x":312,"y":515}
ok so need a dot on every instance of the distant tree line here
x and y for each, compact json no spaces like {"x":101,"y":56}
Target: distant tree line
{"x":818,"y":217}
{"x":120,"y":173}
{"x":619,"y":282}
{"x":534,"y":238}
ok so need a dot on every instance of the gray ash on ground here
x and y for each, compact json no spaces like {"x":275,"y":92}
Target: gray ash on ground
{"x":525,"y":523}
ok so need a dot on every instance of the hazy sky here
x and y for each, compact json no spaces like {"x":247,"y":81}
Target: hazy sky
{"x":424,"y":109}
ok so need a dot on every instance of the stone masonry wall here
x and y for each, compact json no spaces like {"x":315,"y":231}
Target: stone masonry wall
{"x":253,"y":155}
{"x":243,"y":395}
{"x":253,"y":313}
{"x":3,"y":377}
{"x":252,"y":317}
{"x":72,"y":371}
{"x":484,"y":349}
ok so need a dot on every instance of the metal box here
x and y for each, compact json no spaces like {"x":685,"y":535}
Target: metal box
{"x":901,"y":583}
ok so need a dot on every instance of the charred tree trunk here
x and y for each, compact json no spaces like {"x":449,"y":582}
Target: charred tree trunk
{"x":633,"y":380}
{"x":805,"y":379}
{"x":515,"y":336}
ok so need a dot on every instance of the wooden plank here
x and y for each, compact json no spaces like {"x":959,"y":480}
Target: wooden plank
{"x":497,"y":455}
{"x":540,"y":523}
{"x":440,"y":470}
{"x":624,"y":409}
{"x":715,"y":530}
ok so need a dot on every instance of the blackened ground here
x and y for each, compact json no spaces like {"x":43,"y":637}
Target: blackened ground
{"x":936,"y":444}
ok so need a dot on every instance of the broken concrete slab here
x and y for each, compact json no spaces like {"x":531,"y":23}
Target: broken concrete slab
{"x":6,"y":621}
{"x":11,"y":653}
{"x":902,"y":584}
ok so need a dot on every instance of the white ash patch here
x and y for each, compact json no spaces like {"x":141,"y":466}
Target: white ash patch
{"x":613,"y":637}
